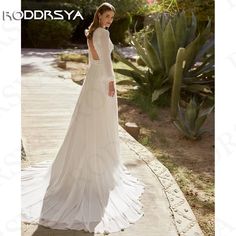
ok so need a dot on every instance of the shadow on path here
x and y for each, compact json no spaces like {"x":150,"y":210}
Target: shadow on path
{"x":43,"y":231}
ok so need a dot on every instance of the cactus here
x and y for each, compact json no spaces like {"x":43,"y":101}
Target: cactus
{"x":178,"y":74}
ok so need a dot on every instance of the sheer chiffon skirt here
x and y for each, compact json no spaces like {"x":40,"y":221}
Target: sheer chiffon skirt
{"x":86,"y":187}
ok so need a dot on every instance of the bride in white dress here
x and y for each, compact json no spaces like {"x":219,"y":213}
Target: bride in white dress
{"x":86,"y":187}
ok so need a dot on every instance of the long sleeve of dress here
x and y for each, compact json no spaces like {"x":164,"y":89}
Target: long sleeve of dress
{"x":104,"y":51}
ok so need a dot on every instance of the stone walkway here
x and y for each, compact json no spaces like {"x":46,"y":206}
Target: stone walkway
{"x":48,"y":101}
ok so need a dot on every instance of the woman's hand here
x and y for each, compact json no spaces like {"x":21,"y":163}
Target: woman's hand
{"x":111,"y":88}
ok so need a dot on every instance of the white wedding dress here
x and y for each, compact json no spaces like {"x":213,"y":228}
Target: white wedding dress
{"x":86,"y":187}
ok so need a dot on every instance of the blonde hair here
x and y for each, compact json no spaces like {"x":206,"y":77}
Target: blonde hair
{"x":95,"y":24}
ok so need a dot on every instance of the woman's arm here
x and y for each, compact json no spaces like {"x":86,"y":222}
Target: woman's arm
{"x":105,"y":54}
{"x":111,"y":88}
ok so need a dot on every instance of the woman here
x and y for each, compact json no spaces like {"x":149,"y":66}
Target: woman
{"x":87,"y":187}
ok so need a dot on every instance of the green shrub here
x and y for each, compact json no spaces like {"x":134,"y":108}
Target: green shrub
{"x":201,"y":8}
{"x":119,"y":30}
{"x":49,"y":33}
{"x":122,"y":22}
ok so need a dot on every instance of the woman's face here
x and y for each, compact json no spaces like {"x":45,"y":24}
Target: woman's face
{"x":106,"y":18}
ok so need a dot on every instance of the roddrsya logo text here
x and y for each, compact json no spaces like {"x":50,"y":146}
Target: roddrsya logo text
{"x":41,"y":15}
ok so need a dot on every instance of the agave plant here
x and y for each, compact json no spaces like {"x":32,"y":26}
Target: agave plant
{"x":190,"y":120}
{"x":158,"y":48}
{"x":198,"y":73}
